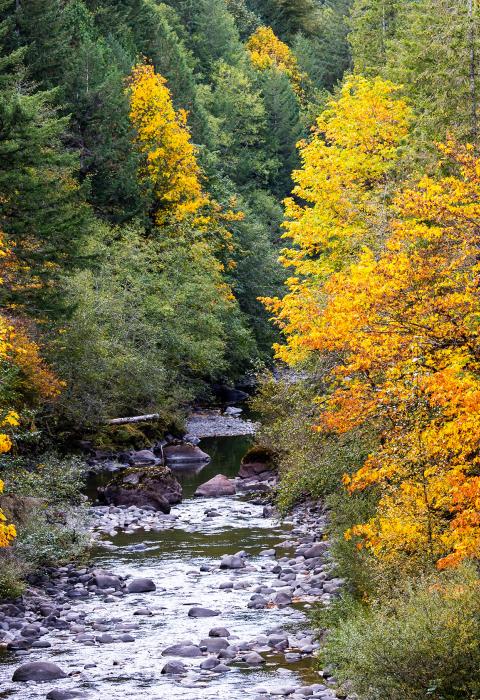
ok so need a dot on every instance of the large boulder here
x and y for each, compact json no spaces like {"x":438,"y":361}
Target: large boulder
{"x":218,"y":486}
{"x":141,"y":585}
{"x":154,"y":487}
{"x":202,"y":612}
{"x":228,"y":395}
{"x":184,"y":454}
{"x":38,"y":671}
{"x":258,"y":464}
{"x":185,"y":649}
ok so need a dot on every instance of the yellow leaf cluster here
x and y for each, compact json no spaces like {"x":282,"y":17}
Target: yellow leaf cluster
{"x":162,"y":136}
{"x":267,"y":51}
{"x":344,"y":174}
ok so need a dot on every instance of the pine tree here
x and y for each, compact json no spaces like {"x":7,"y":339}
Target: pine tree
{"x":374,"y":25}
{"x":283,"y":127}
{"x":212,"y":32}
{"x":240,"y":122}
{"x":41,"y":28}
{"x":41,"y":208}
{"x":435,"y":57}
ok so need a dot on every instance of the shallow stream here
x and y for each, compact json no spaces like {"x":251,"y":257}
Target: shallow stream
{"x":173,"y":558}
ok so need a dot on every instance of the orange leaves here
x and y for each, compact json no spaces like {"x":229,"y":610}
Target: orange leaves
{"x":268,"y":51}
{"x":163,"y":137}
{"x":24,"y":376}
{"x":412,"y":330}
{"x":389,"y":296}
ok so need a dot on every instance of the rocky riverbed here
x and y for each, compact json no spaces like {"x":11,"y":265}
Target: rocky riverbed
{"x":208,"y":601}
{"x":215,"y":423}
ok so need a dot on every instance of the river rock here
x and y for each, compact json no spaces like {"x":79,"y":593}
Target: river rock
{"x":38,"y":671}
{"x":254,"y":659}
{"x":209,"y":663}
{"x":316,"y":550}
{"x":219,"y":632}
{"x":214,"y":644}
{"x":184,"y":454}
{"x":173,"y":668}
{"x":257,"y":464}
{"x":229,"y":395}
{"x":64,"y":694}
{"x":141,"y":585}
{"x":218,"y":486}
{"x":202,"y":612}
{"x":232,"y":561}
{"x":232,"y":411}
{"x":106,"y":581}
{"x":185,"y":649}
{"x":153,"y":487}
{"x":143,"y":458}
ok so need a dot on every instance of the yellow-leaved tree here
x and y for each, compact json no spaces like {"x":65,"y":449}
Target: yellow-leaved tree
{"x":162,"y":136}
{"x":339,"y":202}
{"x":267,"y":51}
{"x":389,"y":293}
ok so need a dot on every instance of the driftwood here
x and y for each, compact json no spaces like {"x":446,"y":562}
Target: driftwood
{"x":133,"y":419}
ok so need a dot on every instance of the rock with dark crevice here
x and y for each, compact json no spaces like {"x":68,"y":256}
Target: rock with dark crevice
{"x":154,"y":487}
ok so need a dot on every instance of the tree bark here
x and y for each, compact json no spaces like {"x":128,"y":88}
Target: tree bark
{"x":133,"y":419}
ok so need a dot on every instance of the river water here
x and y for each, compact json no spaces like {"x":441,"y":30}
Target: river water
{"x":173,"y":558}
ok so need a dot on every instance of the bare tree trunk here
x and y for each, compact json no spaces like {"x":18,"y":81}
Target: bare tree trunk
{"x":133,"y":419}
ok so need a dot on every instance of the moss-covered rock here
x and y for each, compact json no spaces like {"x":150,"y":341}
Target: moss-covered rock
{"x":154,"y":487}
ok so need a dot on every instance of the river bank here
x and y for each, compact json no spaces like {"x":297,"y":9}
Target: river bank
{"x":113,"y":642}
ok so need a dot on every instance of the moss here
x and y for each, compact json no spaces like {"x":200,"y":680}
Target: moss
{"x":149,"y":473}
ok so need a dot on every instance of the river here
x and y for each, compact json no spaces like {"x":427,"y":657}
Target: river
{"x":183,"y":561}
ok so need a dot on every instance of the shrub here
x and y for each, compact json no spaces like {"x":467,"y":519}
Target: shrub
{"x":52,"y":537}
{"x":12,"y":573}
{"x":53,"y":478}
{"x":310,"y":464}
{"x":424,"y":644}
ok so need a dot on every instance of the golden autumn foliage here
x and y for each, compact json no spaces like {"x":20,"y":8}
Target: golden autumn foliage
{"x":24,"y":374}
{"x":393,"y":301}
{"x":162,"y":136}
{"x":267,"y":51}
{"x":344,"y":172}
{"x":408,"y":325}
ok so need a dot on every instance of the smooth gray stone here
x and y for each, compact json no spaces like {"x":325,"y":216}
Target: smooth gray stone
{"x":38,"y":671}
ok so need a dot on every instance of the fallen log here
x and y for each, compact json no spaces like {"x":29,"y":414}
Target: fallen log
{"x":133,"y":419}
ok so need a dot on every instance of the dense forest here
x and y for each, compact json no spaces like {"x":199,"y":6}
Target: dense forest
{"x":197,"y":191}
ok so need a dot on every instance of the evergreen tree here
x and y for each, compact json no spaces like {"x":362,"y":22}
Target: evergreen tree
{"x":41,"y":207}
{"x":240,"y":126}
{"x":246,"y":20}
{"x":287,"y":17}
{"x":325,"y":57}
{"x":435,"y":57}
{"x":212,"y":32}
{"x":373,"y":24}
{"x":283,"y":127}
{"x":41,"y":28}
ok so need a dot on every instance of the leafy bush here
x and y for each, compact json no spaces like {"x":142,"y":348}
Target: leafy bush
{"x":424,"y":644}
{"x":12,"y":573}
{"x":53,"y":478}
{"x":311,"y":464}
{"x":52,"y":537}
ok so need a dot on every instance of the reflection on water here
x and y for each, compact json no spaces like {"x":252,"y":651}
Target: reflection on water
{"x":173,"y":559}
